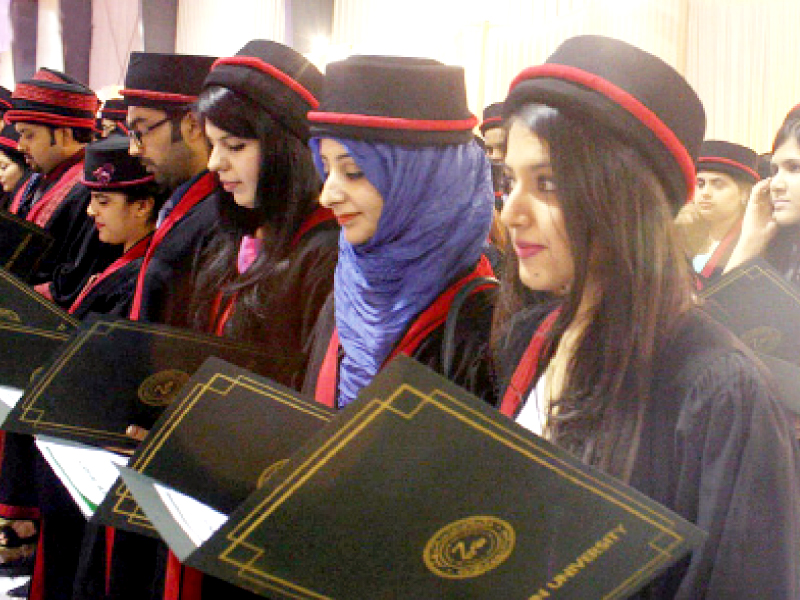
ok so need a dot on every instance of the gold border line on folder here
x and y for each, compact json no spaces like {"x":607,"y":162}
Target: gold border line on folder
{"x":136,"y":516}
{"x":369,"y":412}
{"x":105,"y":329}
{"x":39,"y":299}
{"x":37,"y":331}
{"x":753,"y":273}
{"x":233,"y":384}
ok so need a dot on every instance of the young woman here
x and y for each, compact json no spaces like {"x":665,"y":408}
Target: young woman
{"x":726,"y":173}
{"x":14,"y":171}
{"x":771,"y":226}
{"x":270,"y":266}
{"x":125,"y":204}
{"x":412,"y":191}
{"x":618,"y":365}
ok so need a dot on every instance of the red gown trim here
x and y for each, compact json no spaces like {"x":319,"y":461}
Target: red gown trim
{"x":428,"y":321}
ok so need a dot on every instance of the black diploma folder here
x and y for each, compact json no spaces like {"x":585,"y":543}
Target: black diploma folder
{"x":114,"y":373}
{"x":31,"y":329}
{"x":419,"y":490}
{"x":22,"y":245}
{"x":226,"y":430}
{"x":759,"y":306}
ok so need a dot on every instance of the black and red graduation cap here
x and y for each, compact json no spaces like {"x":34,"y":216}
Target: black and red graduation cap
{"x":114,"y":109}
{"x":109,"y":166}
{"x":631,"y":92}
{"x":398,"y":100}
{"x":729,"y":158}
{"x":8,"y":141}
{"x":5,"y":100}
{"x":275,"y":77}
{"x":53,"y":98}
{"x":164,"y":81}
{"x":492,"y":117}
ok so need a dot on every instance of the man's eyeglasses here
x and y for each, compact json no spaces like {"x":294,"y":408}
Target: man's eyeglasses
{"x":137,"y":135}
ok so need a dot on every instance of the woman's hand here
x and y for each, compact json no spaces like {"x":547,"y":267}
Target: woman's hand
{"x":758,"y":226}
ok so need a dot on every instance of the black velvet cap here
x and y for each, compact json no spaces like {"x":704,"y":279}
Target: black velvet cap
{"x":109,"y":166}
{"x":164,"y":81}
{"x":48,"y":100}
{"x":8,"y":140}
{"x":399,"y":100}
{"x":492,"y":116}
{"x":276,"y":77}
{"x":638,"y":96}
{"x":114,"y":109}
{"x":5,"y":100}
{"x":729,"y":158}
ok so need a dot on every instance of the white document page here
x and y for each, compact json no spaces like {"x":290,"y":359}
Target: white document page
{"x":87,"y":472}
{"x":199,"y":521}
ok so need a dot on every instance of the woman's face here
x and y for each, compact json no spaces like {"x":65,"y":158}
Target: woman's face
{"x":237,"y":162}
{"x":10,"y":172}
{"x":355,"y":202}
{"x":785,"y":184}
{"x":533,"y":215}
{"x":718,"y":197}
{"x":116,"y":220}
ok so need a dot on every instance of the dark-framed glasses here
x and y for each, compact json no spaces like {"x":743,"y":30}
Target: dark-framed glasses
{"x":137,"y":135}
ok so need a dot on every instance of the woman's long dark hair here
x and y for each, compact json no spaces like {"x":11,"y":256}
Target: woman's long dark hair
{"x":287,"y":193}
{"x":616,"y":211}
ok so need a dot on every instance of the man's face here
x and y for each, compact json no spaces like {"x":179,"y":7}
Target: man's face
{"x":40,"y":146}
{"x":160,"y":155}
{"x":495,"y":140}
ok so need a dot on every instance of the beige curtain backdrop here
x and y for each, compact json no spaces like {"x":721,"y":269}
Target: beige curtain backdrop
{"x":222,"y":27}
{"x":744,"y":62}
{"x":740,"y":55}
{"x":116,"y":32}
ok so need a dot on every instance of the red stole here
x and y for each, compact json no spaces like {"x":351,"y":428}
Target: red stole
{"x":137,"y":251}
{"x":428,"y":321}
{"x":217,"y":325}
{"x":193,"y":196}
{"x":41,"y":212}
{"x":15,"y":203}
{"x":723,"y":249}
{"x":523,"y":376}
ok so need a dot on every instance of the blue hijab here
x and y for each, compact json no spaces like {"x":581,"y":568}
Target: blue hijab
{"x":437,"y":211}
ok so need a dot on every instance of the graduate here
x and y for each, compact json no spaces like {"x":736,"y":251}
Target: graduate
{"x":167,"y":136}
{"x":269,"y":267}
{"x":112,"y":118}
{"x":14,"y":172}
{"x":124,"y":206}
{"x":771,"y":226}
{"x":726,"y":173}
{"x":412,"y":192}
{"x":54,"y":116}
{"x":620,"y":367}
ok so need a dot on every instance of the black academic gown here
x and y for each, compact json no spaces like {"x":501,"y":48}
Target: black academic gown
{"x":113,"y":295}
{"x":472,"y":367}
{"x":167,"y":285}
{"x":77,"y":252}
{"x":298,"y":289}
{"x":717,"y":449}
{"x":294,"y":296}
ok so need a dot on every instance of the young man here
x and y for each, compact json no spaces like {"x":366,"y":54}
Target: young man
{"x":167,"y":136}
{"x":54,"y":116}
